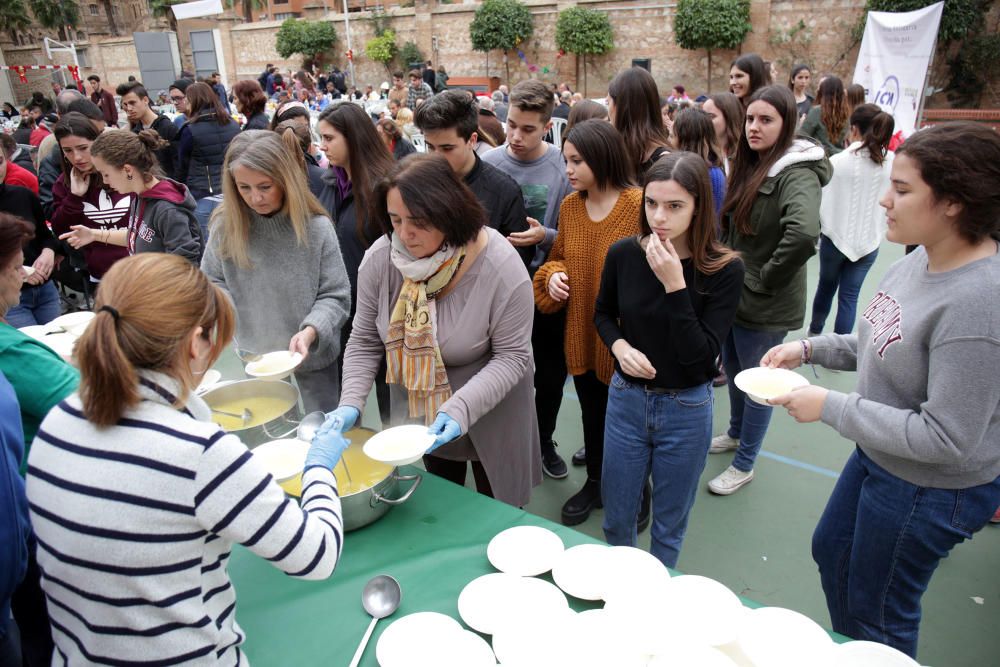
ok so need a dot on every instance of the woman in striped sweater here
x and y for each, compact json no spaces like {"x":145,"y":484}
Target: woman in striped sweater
{"x":136,"y":497}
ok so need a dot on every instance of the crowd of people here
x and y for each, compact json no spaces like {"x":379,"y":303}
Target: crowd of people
{"x":661,"y":249}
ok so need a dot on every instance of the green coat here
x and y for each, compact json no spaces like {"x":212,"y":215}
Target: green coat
{"x":785,"y":225}
{"x":813,"y":127}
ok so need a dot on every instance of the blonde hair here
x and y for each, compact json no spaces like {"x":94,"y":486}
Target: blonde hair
{"x":132,"y":331}
{"x":281,"y":161}
{"x":404,"y":116}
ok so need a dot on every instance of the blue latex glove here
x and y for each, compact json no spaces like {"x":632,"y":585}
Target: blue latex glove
{"x":341,"y":419}
{"x":328,"y":446}
{"x":445,"y":429}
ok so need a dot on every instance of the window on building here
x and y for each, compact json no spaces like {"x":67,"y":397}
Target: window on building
{"x":81,"y":36}
{"x":82,"y":58}
{"x":281,"y":16}
{"x":94,"y":10}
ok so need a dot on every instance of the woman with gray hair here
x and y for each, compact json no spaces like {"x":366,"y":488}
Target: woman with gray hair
{"x":274,"y":250}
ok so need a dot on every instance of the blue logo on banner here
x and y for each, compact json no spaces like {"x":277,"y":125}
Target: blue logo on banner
{"x":887,"y":95}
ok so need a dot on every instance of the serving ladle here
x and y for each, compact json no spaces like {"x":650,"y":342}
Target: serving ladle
{"x":380,"y":598}
{"x":307,"y":430}
{"x":246,"y":415}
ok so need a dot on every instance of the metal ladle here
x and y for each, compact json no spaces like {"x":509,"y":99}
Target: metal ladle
{"x":246,"y":416}
{"x":380,"y":598}
{"x":307,"y":430}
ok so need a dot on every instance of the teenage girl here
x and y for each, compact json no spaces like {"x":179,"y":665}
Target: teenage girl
{"x":603,"y":209}
{"x":693,"y":132}
{"x":748,"y":74}
{"x":634,"y":110}
{"x":827,"y":122}
{"x":770,"y":217}
{"x":726,"y":113}
{"x":667,"y":299}
{"x":798,"y":83}
{"x":852,"y":221}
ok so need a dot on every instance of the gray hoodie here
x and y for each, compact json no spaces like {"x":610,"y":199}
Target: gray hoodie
{"x":162,"y":219}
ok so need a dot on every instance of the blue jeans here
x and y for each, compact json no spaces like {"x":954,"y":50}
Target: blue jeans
{"x":879,"y":541}
{"x":39,"y":305}
{"x":748,"y":419}
{"x":203,"y":213}
{"x":836,"y":271}
{"x":668,"y":433}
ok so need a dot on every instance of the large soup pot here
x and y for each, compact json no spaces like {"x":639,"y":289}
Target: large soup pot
{"x":275,"y":408}
{"x":372,"y":489}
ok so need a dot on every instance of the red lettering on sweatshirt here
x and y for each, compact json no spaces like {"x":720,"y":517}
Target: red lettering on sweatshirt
{"x":885,"y":315}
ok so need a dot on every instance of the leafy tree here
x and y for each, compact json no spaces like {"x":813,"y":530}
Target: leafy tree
{"x":584,"y":32}
{"x":410,"y":53}
{"x":247,"y":7}
{"x":957,"y":19}
{"x":382,"y":49}
{"x":500,"y":24}
{"x":14,"y":14}
{"x":54,"y":14}
{"x":711,"y":25}
{"x":161,"y":9}
{"x":311,"y":39}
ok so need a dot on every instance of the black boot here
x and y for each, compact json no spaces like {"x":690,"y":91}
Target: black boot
{"x":580,"y":458}
{"x":644,"y":507}
{"x":578,"y":507}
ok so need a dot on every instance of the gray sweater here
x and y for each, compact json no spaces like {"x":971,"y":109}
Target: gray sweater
{"x":288,"y":287}
{"x":927,"y":352}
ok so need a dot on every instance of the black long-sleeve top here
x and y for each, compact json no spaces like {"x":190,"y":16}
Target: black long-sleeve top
{"x":680,"y":333}
{"x":501,"y":196}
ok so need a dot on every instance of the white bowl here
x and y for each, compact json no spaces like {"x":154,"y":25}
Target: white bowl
{"x":762,"y":384}
{"x":284,"y":459}
{"x":208,"y":380}
{"x":399,"y":445}
{"x":274,"y":365}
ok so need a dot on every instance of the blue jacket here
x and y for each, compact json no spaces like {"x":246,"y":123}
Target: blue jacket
{"x":15,"y":529}
{"x":203,"y":144}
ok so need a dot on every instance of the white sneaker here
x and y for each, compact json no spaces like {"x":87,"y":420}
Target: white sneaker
{"x":730,"y":481}
{"x":723,"y":443}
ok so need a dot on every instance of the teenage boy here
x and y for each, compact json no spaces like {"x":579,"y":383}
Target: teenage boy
{"x":418,"y":90}
{"x":398,"y":92}
{"x":538,"y":168}
{"x":449,"y":122}
{"x":141,"y":116}
{"x":103,"y":99}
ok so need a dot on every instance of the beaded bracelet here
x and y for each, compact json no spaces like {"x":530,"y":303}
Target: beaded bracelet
{"x":806,"y":352}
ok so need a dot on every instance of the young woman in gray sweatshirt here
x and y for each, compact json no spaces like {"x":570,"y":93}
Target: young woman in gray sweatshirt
{"x":926,"y":412}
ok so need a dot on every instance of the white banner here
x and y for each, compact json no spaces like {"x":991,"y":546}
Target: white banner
{"x":892,"y":64}
{"x":197,"y":9}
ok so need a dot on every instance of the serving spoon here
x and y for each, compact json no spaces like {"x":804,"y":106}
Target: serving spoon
{"x":380,"y":598}
{"x":246,"y":415}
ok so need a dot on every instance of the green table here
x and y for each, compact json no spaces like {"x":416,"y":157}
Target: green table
{"x":434,"y":544}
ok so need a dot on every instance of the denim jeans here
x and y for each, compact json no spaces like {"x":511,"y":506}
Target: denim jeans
{"x":203,"y":213}
{"x":39,"y":305}
{"x":668,"y":434}
{"x":748,"y":419}
{"x":879,"y":541}
{"x":838,"y":275}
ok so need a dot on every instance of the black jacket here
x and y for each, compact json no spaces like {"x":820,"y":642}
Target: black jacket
{"x":22,"y":158}
{"x":48,"y":172}
{"x":501,"y":196}
{"x":164,"y":127}
{"x":202,"y":152}
{"x":258,"y":121}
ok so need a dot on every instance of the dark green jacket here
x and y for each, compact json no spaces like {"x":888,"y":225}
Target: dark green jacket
{"x":813,"y":127}
{"x":785,"y":225}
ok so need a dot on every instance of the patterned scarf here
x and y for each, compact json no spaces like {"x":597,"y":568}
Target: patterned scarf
{"x":413,"y":358}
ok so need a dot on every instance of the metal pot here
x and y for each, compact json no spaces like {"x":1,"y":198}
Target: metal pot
{"x":281,"y":426}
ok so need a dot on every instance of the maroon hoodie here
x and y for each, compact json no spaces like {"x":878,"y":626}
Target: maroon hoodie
{"x":101,"y":209}
{"x":162,"y":219}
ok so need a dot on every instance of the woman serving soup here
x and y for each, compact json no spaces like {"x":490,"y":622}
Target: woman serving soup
{"x":448,"y":303}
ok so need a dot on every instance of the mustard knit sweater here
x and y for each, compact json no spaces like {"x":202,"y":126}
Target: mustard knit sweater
{"x":579,"y":250}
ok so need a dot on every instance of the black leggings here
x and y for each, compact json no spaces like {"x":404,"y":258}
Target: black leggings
{"x":593,"y":395}
{"x":455,"y":471}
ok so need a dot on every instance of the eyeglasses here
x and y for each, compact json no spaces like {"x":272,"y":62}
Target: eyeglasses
{"x":177,"y":98}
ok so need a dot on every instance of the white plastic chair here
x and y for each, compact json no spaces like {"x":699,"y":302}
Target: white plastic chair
{"x":558,"y":127}
{"x":417,"y":139}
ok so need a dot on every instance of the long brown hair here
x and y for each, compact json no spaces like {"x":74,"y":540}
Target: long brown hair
{"x":749,"y":170}
{"x":732,"y":113}
{"x":637,"y":113}
{"x":121,"y":148}
{"x":201,"y":97}
{"x":75,"y":124}
{"x":135,"y":332}
{"x":694,"y":132}
{"x":250,"y":96}
{"x":369,"y":159}
{"x":832,"y":101}
{"x":690,"y":171}
{"x":756,"y":69}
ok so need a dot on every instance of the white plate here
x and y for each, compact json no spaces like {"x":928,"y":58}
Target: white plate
{"x":691,"y":655}
{"x":36,"y":331}
{"x":702,"y":610}
{"x":412,"y":634}
{"x":533,"y":639}
{"x":580,"y":571}
{"x":208,"y":380}
{"x":643,"y":607}
{"x":462,"y":649}
{"x":629,"y":568}
{"x":28,"y":270}
{"x":492,"y":600}
{"x":525,"y":550}
{"x":61,"y":343}
{"x":284,"y":459}
{"x":400,"y":445}
{"x":871,"y":654}
{"x":784,"y":638}
{"x":73,"y":323}
{"x":274,"y":365}
{"x":762,"y":384}
{"x":601,"y":639}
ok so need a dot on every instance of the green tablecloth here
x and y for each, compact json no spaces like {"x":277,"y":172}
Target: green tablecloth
{"x":434,"y":544}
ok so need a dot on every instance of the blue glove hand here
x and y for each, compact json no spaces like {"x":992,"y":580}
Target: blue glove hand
{"x":341,"y":419}
{"x":445,"y":429}
{"x":327,"y":447}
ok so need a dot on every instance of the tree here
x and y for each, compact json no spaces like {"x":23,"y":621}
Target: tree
{"x":584,"y":32}
{"x":957,"y":18}
{"x":311,"y":39}
{"x":54,"y":14}
{"x":710,"y":25}
{"x":410,"y":53}
{"x":247,"y":7}
{"x":162,"y":9}
{"x":382,"y":49}
{"x":14,"y":15}
{"x":500,"y":24}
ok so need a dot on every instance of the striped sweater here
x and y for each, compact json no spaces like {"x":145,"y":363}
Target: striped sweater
{"x":135,"y":524}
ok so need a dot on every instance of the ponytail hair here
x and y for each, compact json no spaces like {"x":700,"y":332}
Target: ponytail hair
{"x":876,"y":128}
{"x":120,"y":148}
{"x":132,"y":332}
{"x":296,"y":138}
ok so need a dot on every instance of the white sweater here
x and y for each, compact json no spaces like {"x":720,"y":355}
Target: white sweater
{"x":135,"y":524}
{"x":850,"y":215}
